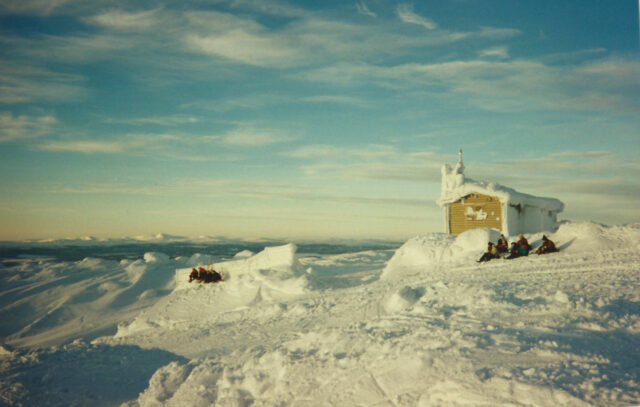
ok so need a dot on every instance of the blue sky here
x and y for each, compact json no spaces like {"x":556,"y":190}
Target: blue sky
{"x":309,"y":119}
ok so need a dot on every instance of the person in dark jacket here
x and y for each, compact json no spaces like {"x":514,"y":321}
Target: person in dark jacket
{"x":193,"y":275}
{"x":502,"y":245}
{"x":491,"y":253}
{"x":514,"y":251}
{"x":523,"y":246}
{"x":547,"y":246}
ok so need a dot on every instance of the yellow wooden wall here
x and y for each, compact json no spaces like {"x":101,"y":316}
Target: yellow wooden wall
{"x":463,"y":214}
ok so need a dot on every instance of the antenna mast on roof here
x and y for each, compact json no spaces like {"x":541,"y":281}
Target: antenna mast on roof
{"x":460,"y":165}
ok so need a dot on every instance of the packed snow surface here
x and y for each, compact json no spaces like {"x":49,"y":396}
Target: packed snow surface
{"x":424,"y":325}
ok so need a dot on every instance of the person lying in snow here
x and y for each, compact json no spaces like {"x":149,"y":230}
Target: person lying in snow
{"x":204,"y":276}
{"x":502,"y":245}
{"x":547,"y":246}
{"x":491,"y":253}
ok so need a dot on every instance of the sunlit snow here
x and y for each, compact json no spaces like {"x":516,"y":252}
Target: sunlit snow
{"x":421,"y":325}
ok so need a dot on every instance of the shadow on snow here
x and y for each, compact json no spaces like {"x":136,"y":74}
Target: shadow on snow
{"x":79,"y":374}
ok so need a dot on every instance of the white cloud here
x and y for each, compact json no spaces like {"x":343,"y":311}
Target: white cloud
{"x":339,"y":153}
{"x":362,"y":8}
{"x":606,"y":85}
{"x":133,"y":143}
{"x":37,"y":7}
{"x":572,"y":55}
{"x":15,"y":128}
{"x":494,"y":52}
{"x":123,"y":20}
{"x":88,"y":146}
{"x":24,"y":83}
{"x":248,"y":137}
{"x":339,"y":99}
{"x":171,"y":120}
{"x":373,"y":162}
{"x":241,"y":102}
{"x":270,"y":7}
{"x":81,"y":48}
{"x":495,"y":33}
{"x":241,"y":46}
{"x":407,"y":15}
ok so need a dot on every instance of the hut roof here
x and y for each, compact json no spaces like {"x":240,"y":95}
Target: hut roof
{"x":506,"y":195}
{"x":456,"y":186}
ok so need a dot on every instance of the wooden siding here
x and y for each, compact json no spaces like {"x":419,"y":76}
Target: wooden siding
{"x":475,"y":211}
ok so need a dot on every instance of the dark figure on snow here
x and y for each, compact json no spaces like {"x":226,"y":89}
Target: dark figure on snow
{"x":204,"y":276}
{"x":193,"y":275}
{"x":547,"y":246}
{"x":523,"y":246}
{"x":502,"y":245}
{"x":520,"y":248}
{"x":212,"y":277}
{"x":491,"y":253}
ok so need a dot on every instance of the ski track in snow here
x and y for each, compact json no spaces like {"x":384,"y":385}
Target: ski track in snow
{"x":423,"y":326}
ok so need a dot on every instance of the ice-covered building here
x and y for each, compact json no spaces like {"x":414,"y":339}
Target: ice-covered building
{"x":469,"y":204}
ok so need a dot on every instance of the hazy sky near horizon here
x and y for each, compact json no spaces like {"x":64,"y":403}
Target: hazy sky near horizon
{"x":307,"y":119}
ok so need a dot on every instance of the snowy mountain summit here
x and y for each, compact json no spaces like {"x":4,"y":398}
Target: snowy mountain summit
{"x":422,"y":325}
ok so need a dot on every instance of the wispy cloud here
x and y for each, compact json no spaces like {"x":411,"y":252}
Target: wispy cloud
{"x":170,"y":120}
{"x":494,"y":52}
{"x":249,"y":137}
{"x":163,"y":145}
{"x":407,"y":15}
{"x":411,"y":170}
{"x":79,"y":48}
{"x":242,"y":40}
{"x":24,"y":83}
{"x":240,"y":102}
{"x":37,"y":7}
{"x":236,"y":189}
{"x":573,"y":55}
{"x":512,"y":85}
{"x":339,"y":99}
{"x":15,"y":128}
{"x":363,"y":9}
{"x":372,"y":162}
{"x":339,"y":153}
{"x":269,"y":7}
{"x":87,"y":147}
{"x":245,"y":47}
{"x":122,"y":20}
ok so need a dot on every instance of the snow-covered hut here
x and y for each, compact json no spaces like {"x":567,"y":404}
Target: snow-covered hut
{"x":469,"y":204}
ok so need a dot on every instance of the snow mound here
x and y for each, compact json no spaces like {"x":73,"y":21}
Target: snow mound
{"x":419,"y":251}
{"x":243,"y":254}
{"x":433,"y":251}
{"x":270,"y":277}
{"x":590,"y":237}
{"x":279,"y":262}
{"x":274,"y":264}
{"x":476,"y":239}
{"x":403,"y":298}
{"x":437,"y":249}
{"x":154,"y":257}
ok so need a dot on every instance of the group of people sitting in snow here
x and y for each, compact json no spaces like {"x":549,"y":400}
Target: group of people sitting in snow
{"x":517,"y":249}
{"x":204,"y":276}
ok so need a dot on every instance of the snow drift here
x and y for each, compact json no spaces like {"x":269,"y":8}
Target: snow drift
{"x":438,"y":250}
